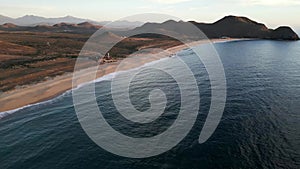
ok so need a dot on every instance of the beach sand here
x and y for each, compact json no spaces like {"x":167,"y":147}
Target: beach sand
{"x":51,"y":88}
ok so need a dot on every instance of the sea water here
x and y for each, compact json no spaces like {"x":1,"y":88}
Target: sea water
{"x":259,"y":129}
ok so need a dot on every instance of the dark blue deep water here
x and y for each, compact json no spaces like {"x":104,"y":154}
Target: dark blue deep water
{"x":260,"y":127}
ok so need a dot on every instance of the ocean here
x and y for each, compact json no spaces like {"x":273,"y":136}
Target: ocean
{"x":259,"y":128}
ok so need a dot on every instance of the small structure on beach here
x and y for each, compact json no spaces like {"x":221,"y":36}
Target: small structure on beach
{"x":107,"y":56}
{"x":106,"y":59}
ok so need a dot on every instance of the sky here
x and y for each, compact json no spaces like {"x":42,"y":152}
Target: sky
{"x":271,"y":12}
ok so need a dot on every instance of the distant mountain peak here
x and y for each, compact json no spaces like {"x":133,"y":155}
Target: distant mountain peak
{"x":30,"y":16}
{"x":70,"y":17}
{"x":33,"y":20}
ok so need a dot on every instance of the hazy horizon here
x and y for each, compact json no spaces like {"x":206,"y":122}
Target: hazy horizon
{"x":273,"y":13}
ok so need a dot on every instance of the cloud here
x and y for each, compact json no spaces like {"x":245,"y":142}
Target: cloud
{"x":272,"y":2}
{"x":168,"y":1}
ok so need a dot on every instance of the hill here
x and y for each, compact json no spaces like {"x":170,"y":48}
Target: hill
{"x":32,"y":20}
{"x":84,"y":27}
{"x":229,"y":26}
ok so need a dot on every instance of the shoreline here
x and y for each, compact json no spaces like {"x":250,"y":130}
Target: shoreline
{"x":40,"y":92}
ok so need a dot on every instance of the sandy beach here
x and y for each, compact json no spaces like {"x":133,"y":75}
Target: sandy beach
{"x":51,"y":88}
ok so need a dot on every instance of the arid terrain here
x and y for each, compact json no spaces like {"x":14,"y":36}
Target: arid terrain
{"x":30,"y":57}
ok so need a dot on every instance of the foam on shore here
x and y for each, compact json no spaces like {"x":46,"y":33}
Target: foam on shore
{"x":103,"y":78}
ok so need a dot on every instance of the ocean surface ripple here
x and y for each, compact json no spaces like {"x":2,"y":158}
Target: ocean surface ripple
{"x":260,"y":126}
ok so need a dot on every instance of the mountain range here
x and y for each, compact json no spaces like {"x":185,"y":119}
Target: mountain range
{"x":229,"y":26}
{"x":32,"y":20}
